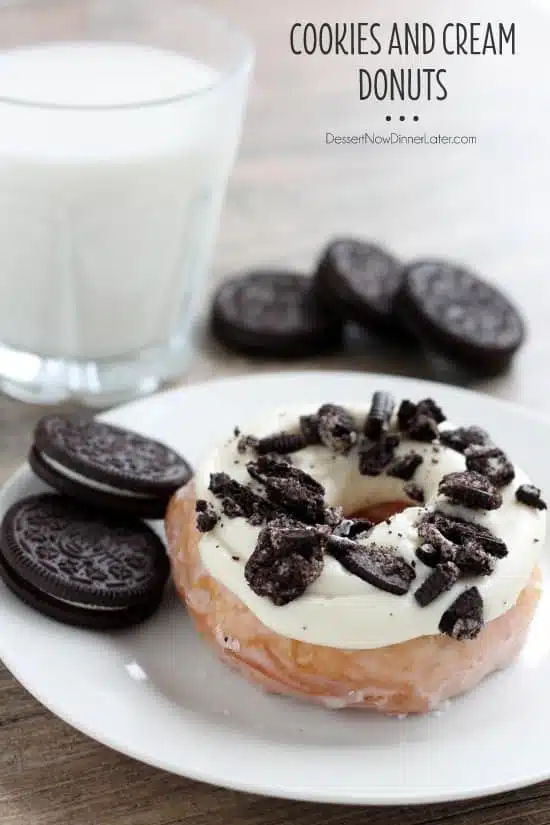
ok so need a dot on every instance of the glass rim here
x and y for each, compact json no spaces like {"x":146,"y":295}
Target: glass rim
{"x":242,"y":65}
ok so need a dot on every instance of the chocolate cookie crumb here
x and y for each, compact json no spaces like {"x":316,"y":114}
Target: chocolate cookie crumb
{"x":415,"y":493}
{"x":238,"y":501}
{"x":333,"y":516}
{"x":287,"y":559}
{"x":353,"y":528}
{"x":405,"y":466}
{"x":207,"y":518}
{"x":408,"y":412}
{"x":423,"y":428}
{"x":445,"y":548}
{"x":439,"y":581}
{"x":271,"y":464}
{"x":282,"y":443}
{"x":290,"y":488}
{"x":470,"y":489}
{"x":428,"y":555}
{"x":405,"y":414}
{"x":428,"y":407}
{"x":472,"y":559}
{"x":379,"y":416}
{"x":458,"y":531}
{"x":246,"y":442}
{"x":337,"y":428}
{"x":464,"y":618}
{"x":309,"y":426}
{"x":491,"y":462}
{"x":464,"y":437}
{"x":530,"y":495}
{"x":374,"y":456}
{"x":236,"y":432}
{"x":380,"y":566}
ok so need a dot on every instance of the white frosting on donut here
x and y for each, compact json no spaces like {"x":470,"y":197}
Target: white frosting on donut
{"x":339,"y":609}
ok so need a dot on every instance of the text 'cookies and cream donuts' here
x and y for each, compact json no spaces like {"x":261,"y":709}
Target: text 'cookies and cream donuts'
{"x":372,"y":555}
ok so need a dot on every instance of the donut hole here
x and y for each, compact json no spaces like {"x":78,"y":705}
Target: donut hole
{"x":382,"y":511}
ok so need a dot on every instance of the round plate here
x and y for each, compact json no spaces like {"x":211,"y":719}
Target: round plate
{"x":157,"y":694}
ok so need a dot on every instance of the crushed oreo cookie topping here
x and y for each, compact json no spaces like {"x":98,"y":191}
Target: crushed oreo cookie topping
{"x":379,"y":416}
{"x":298,"y":527}
{"x":288,"y":487}
{"x":382,"y":567}
{"x":459,"y":532}
{"x":414,"y":492}
{"x":353,"y":528}
{"x":337,"y":428}
{"x":423,"y":428}
{"x":464,"y":618}
{"x":408,"y":412}
{"x":428,"y":555}
{"x":439,"y":581}
{"x":374,"y":456}
{"x":405,"y":466}
{"x":473,"y":560}
{"x":405,"y":414}
{"x":239,"y":501}
{"x":466,"y":552}
{"x":437,"y":542}
{"x":288,"y":558}
{"x":491,"y":462}
{"x":207,"y":518}
{"x":309,"y":427}
{"x":464,"y":437}
{"x":246,"y":442}
{"x":470,"y":489}
{"x":282,"y":443}
{"x":530,"y":495}
{"x":333,"y":516}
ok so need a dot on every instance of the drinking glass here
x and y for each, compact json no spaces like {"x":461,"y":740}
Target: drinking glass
{"x":119,"y":125}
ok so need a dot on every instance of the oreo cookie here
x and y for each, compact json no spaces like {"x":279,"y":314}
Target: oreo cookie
{"x":382,"y":567}
{"x":81,"y":568}
{"x":530,"y":495}
{"x":462,"y":438}
{"x":288,"y":557}
{"x":282,"y":443}
{"x":271,"y":313}
{"x":491,"y":462}
{"x":379,"y":416}
{"x":464,"y":619}
{"x":359,"y":282}
{"x":470,"y":489}
{"x":337,"y":429}
{"x":456,"y":313}
{"x":375,"y":456}
{"x":107,"y":466}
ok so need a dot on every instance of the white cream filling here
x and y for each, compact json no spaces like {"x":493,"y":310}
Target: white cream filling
{"x":72,"y":475}
{"x":340,"y":609}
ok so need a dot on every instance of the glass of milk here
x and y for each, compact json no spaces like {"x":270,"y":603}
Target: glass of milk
{"x":119,"y":125}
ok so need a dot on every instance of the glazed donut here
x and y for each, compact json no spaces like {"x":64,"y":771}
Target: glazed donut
{"x":276,"y":554}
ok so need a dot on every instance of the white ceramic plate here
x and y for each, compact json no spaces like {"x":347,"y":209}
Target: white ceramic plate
{"x":157,"y":694}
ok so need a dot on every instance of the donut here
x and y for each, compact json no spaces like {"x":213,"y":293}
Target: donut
{"x":360,"y":555}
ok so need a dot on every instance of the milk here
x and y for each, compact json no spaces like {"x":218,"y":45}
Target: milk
{"x":109,"y":199}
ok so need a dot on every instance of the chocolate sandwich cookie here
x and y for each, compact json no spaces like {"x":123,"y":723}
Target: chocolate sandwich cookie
{"x":80,"y":567}
{"x":107,"y":466}
{"x":456,"y":313}
{"x":271,"y":313}
{"x":359,"y":282}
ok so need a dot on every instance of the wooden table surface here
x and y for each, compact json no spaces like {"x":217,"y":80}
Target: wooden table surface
{"x":485,"y":205}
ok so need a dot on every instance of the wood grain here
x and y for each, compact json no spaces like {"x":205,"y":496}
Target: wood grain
{"x":290,"y":192}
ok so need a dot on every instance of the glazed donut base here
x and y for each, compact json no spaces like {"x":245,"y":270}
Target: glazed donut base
{"x":411,"y":677}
